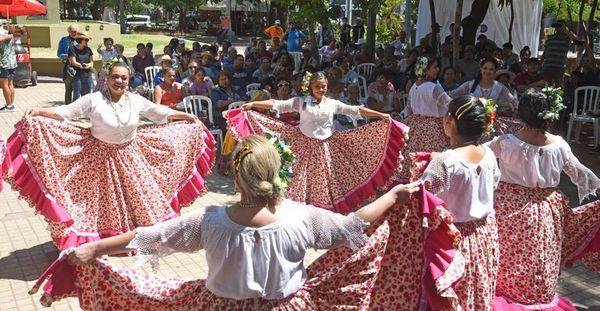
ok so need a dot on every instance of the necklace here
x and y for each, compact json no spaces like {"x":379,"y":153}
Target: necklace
{"x":466,"y":143}
{"x":251,"y":204}
{"x":532,"y":129}
{"x":117,"y":108}
{"x":486,"y":92}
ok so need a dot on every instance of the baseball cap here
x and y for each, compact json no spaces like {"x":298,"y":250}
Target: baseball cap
{"x":277,"y":22}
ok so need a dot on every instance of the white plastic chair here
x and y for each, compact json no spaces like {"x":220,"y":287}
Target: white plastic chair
{"x":235,"y":105}
{"x":363,"y":92}
{"x":297,"y":57}
{"x":403,"y":100}
{"x":194,"y":104}
{"x":151,"y":72}
{"x":365,"y":69}
{"x":586,"y":110}
{"x":250,"y":88}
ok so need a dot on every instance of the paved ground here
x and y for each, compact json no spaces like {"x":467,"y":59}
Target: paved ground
{"x":26,"y":250}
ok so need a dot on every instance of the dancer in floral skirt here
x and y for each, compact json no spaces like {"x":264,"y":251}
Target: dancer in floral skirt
{"x":94,"y":183}
{"x":465,"y":177}
{"x":539,"y":231}
{"x":486,"y":86}
{"x":427,"y":105}
{"x":333,"y":170}
{"x":255,"y":250}
{"x":4,"y":160}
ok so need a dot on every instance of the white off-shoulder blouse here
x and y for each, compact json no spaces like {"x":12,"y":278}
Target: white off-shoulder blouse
{"x":316,"y":120}
{"x":246,"y":262}
{"x":467,"y":188}
{"x":540,"y":166}
{"x":105,"y":126}
{"x":428,"y":99}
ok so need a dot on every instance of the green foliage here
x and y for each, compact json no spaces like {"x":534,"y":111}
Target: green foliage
{"x":567,"y":9}
{"x":390,"y":20}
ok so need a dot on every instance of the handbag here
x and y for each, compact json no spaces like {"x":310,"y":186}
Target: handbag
{"x":68,"y":74}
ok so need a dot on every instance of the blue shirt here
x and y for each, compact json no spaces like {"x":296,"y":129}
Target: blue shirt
{"x":63,"y":47}
{"x":293,"y":37}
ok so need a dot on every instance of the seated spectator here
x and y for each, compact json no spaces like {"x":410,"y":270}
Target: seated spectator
{"x":187,"y":76}
{"x":297,"y":84}
{"x":196,"y":47}
{"x":382,"y":95}
{"x":284,"y":60}
{"x":140,"y":61}
{"x":261,"y":50}
{"x":445,"y":55}
{"x":531,"y":78}
{"x":149,"y":52}
{"x":169,"y":92}
{"x":327,"y":53}
{"x":283,"y":91}
{"x":335,"y":87}
{"x":521,"y":66}
{"x":252,"y":47}
{"x":200,"y":84}
{"x":509,"y":58}
{"x":268,"y":85}
{"x":223,"y":95}
{"x":229,"y":57}
{"x":264,"y":70}
{"x":239,"y":73}
{"x":448,"y":81}
{"x":224,"y":52}
{"x":589,"y":66}
{"x":165,"y":62}
{"x":352,"y":95}
{"x":310,"y":62}
{"x":207,"y":64}
{"x":120,"y":57}
{"x":467,"y":66}
{"x":276,"y":47}
{"x":363,"y":55}
{"x":400,"y":45}
{"x":250,"y":65}
{"x":349,"y":76}
{"x":388,"y":61}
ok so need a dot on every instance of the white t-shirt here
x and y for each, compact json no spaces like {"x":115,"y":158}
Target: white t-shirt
{"x":428,"y":99}
{"x":246,"y":262}
{"x":467,"y":188}
{"x":316,"y":120}
{"x":105,"y":125}
{"x":540,"y":166}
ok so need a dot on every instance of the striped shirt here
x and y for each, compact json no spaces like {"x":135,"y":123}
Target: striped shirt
{"x":555,"y":51}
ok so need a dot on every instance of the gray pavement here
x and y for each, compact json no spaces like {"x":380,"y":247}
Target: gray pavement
{"x":26,"y":250}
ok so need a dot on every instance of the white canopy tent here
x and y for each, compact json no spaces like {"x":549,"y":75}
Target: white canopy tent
{"x":526,"y":26}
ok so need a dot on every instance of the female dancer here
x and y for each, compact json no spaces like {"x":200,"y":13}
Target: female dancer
{"x":4,"y":160}
{"x":255,"y":249}
{"x":486,"y":86}
{"x":538,"y":229}
{"x":465,"y":177}
{"x":427,"y":105}
{"x":332,"y":170}
{"x":114,"y":177}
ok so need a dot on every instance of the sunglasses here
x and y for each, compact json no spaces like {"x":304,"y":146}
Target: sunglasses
{"x":283,"y":84}
{"x":193,"y":67}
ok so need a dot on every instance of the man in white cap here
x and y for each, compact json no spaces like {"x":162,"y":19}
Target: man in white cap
{"x":275,"y":31}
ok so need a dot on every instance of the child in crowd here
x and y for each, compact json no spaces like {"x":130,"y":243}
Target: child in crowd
{"x":465,"y":177}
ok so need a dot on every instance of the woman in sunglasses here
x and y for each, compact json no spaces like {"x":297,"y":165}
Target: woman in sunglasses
{"x":81,"y":58}
{"x":93,"y":183}
{"x":333,"y":170}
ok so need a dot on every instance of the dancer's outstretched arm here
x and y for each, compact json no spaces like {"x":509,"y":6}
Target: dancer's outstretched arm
{"x":263,"y":104}
{"x":113,"y":245}
{"x":44,"y":112}
{"x":399,"y":194}
{"x":366,"y":112}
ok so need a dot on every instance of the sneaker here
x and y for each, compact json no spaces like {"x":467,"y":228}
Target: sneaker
{"x":7,"y":108}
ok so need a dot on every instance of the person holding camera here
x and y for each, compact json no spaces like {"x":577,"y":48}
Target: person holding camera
{"x":555,"y":53}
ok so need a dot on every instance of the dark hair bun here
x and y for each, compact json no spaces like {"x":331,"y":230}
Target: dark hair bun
{"x":470,"y":116}
{"x":531,"y":104}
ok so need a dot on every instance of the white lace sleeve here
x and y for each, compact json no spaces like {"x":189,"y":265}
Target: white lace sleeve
{"x":290,"y":105}
{"x":506,"y":96}
{"x":496,"y":145}
{"x":441,"y":97}
{"x":76,"y":110}
{"x":435,"y":176}
{"x":587,"y":182}
{"x":154,"y":112}
{"x":330,"y":230}
{"x":181,"y":234}
{"x":463,"y":89}
{"x":341,"y":108}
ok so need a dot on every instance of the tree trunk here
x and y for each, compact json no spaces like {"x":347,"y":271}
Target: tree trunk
{"x":472,"y":22}
{"x":512,"y":21}
{"x":371,"y":25}
{"x":456,"y":34}
{"x":581,"y":7}
{"x":435,"y":29}
{"x":591,"y":20}
{"x":182,"y":25}
{"x":97,"y":8}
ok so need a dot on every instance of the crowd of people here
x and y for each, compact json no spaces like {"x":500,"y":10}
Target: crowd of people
{"x":477,"y":147}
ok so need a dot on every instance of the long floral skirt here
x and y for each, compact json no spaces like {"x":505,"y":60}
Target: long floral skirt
{"x":87,"y":189}
{"x":479,"y":247}
{"x":337,"y":173}
{"x":539,"y":232}
{"x":401,"y":267}
{"x":426,"y":135}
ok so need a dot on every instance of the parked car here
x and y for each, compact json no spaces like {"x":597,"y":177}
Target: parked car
{"x":138,"y":21}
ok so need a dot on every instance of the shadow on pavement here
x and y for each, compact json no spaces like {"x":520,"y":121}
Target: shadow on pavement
{"x":28,"y":264}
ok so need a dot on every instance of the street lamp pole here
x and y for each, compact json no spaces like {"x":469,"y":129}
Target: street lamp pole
{"x":122,"y":17}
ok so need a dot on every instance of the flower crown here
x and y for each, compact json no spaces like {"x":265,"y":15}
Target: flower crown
{"x":555,"y":99}
{"x":490,"y":112}
{"x":286,"y":155}
{"x":306,"y":82}
{"x":421,"y":66}
{"x":287,"y":159}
